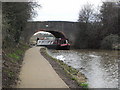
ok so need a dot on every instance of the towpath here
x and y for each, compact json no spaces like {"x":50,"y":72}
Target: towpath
{"x":37,"y":72}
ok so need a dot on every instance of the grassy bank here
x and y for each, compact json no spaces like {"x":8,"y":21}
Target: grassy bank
{"x":12,"y":61}
{"x":74,"y":74}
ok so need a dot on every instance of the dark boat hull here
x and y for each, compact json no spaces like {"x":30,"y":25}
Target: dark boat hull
{"x":57,"y":47}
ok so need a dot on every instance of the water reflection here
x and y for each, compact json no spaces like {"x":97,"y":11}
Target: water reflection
{"x":100,"y":67}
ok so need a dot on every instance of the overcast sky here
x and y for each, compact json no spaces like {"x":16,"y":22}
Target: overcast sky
{"x":62,"y":10}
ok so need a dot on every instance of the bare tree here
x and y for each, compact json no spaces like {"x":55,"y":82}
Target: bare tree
{"x":86,"y":13}
{"x":109,"y":17}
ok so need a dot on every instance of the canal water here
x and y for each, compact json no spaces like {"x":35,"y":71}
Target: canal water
{"x":99,"y":66}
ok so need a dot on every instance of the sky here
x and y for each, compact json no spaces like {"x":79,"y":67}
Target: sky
{"x":62,"y":10}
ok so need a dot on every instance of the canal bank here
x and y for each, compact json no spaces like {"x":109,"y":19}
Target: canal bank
{"x":72,"y":77}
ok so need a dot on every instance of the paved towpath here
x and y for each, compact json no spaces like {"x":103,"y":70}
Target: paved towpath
{"x":37,"y":72}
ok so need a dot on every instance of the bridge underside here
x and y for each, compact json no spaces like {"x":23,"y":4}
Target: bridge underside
{"x":57,"y":34}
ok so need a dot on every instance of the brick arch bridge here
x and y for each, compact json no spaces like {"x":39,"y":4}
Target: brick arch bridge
{"x":69,"y":29}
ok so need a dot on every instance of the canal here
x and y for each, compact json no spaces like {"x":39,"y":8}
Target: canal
{"x":99,"y":66}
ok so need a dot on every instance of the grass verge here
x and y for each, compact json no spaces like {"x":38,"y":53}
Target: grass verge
{"x":12,"y":62}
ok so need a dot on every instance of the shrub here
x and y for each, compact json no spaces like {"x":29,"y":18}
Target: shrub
{"x":108,"y":41}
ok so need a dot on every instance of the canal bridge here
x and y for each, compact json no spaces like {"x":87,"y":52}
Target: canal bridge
{"x":69,"y":29}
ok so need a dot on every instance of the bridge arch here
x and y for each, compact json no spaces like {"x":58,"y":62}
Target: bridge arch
{"x":50,"y":33}
{"x":57,"y":34}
